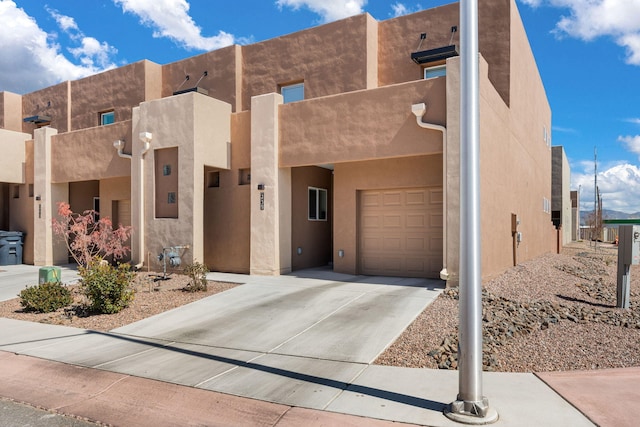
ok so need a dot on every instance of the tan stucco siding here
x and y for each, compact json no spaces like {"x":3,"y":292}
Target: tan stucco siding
{"x":52,"y":101}
{"x":380,"y":124}
{"x":119,"y":90}
{"x":89,"y":153}
{"x":29,"y":170}
{"x":11,"y":111}
{"x":13,"y":156}
{"x":200,"y":127}
{"x":227,"y":213}
{"x":329,"y":59}
{"x":81,"y":195}
{"x":227,"y":208}
{"x":111,"y":190}
{"x":313,"y":237}
{"x":509,"y":147}
{"x":21,"y":211}
{"x":222,"y":69}
{"x":399,"y":37}
{"x":418,"y":171}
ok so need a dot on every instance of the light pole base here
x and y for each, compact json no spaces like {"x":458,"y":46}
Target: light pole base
{"x":471,"y":412}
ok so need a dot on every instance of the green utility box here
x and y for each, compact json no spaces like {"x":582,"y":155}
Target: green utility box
{"x":50,"y":274}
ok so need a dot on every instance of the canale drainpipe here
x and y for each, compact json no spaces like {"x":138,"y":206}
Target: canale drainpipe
{"x":146,"y":138}
{"x":418,"y":110}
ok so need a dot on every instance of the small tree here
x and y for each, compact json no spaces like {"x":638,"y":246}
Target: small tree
{"x":88,"y":239}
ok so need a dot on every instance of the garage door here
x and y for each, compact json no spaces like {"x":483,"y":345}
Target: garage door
{"x":400,"y":232}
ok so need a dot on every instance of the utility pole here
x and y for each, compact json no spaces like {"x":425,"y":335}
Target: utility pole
{"x":470,"y":406}
{"x":595,"y":198}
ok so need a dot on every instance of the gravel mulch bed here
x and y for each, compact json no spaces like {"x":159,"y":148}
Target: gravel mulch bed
{"x":151,"y":298}
{"x":553,"y":313}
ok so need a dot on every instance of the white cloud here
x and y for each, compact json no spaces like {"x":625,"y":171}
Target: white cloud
{"x":619,"y":187}
{"x":90,"y":52}
{"x":590,"y":19}
{"x":400,"y":9}
{"x":30,"y":60}
{"x":634,"y":120}
{"x":329,"y":10}
{"x":632,"y":143}
{"x":66,"y":23}
{"x":170,"y":18}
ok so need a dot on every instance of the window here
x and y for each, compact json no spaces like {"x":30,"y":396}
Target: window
{"x":107,"y":117}
{"x":546,"y":205}
{"x":317,"y":204}
{"x":292,"y":93}
{"x":437,"y":71}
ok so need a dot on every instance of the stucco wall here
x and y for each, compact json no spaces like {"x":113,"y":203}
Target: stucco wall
{"x":81,"y":195}
{"x":11,"y":111}
{"x":511,"y":145}
{"x":89,"y":154}
{"x":313,"y":237}
{"x":380,"y":124}
{"x":418,"y":171}
{"x":227,"y":208}
{"x":111,"y":190}
{"x":52,"y":101}
{"x":200,"y":127}
{"x":13,"y":156}
{"x":21,"y":212}
{"x":223,"y":80}
{"x":119,"y":90}
{"x":399,"y":37}
{"x":330,"y":59}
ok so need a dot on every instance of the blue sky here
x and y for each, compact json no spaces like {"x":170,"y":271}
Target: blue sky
{"x":588,"y":53}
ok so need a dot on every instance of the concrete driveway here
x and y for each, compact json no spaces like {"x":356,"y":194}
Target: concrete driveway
{"x":14,"y":278}
{"x":304,"y":340}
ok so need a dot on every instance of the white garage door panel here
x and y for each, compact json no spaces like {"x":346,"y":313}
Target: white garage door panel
{"x":400,"y":232}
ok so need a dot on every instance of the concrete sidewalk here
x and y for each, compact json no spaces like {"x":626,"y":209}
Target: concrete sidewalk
{"x":296,"y":346}
{"x":14,"y":278}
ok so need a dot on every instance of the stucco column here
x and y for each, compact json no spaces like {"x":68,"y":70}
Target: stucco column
{"x":270,"y":191}
{"x":48,"y":249}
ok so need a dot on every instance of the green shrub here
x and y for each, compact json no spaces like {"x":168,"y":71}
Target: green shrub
{"x":108,"y":288}
{"x":198,"y":277}
{"x":45,"y":297}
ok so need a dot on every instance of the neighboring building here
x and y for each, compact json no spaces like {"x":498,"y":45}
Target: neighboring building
{"x":561,"y":203}
{"x":575,"y":216}
{"x":295,"y":152}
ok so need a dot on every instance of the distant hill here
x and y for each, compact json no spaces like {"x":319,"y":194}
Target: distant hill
{"x":608,"y":214}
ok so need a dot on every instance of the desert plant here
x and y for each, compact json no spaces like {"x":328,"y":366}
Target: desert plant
{"x":108,"y":288}
{"x":197,"y":273}
{"x":45,"y":297}
{"x":87,"y":238}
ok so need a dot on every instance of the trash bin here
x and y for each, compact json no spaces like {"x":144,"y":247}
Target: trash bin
{"x":49,"y":275}
{"x":11,"y":247}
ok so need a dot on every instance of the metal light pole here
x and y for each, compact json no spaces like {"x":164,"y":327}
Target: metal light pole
{"x":471,"y":407}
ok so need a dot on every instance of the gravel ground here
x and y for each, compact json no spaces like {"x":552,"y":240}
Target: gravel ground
{"x":151,"y":298}
{"x":554,"y":313}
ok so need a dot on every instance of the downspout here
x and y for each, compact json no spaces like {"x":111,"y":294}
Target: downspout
{"x":146,"y":138}
{"x":419,"y":110}
{"x":119,"y":145}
